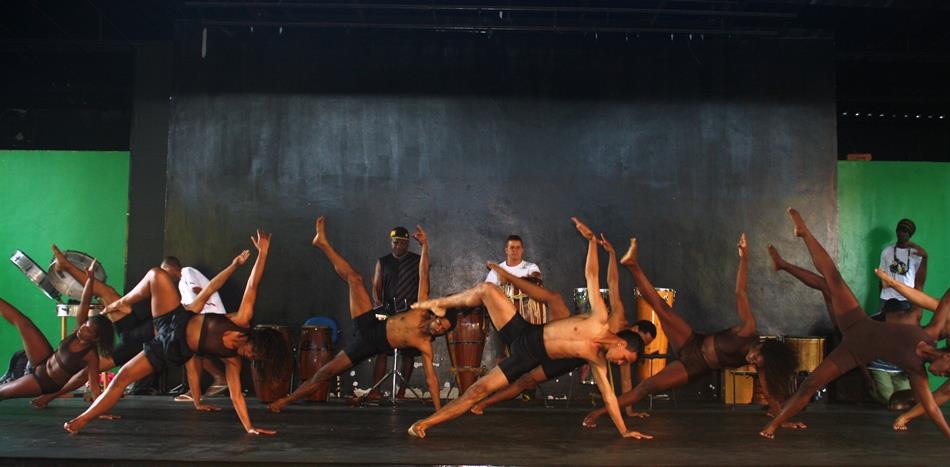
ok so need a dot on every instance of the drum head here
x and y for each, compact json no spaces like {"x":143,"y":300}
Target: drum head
{"x":67,"y":285}
{"x":34,"y":273}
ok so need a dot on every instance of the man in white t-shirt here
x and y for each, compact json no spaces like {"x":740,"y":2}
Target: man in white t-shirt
{"x":906,"y":262}
{"x":191,"y":284}
{"x":514,"y":262}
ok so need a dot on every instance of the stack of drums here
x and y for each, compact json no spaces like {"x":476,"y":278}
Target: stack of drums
{"x":660,"y":344}
{"x":269,"y":391}
{"x":466,"y":342}
{"x":316,"y":350}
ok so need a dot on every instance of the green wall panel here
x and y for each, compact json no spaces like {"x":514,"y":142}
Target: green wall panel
{"x":76,"y":199}
{"x":872,"y":197}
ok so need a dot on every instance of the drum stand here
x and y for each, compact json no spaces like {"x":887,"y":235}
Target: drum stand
{"x":395,"y":373}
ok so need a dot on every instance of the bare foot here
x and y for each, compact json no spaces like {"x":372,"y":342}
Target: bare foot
{"x":320,"y":239}
{"x":630,"y":257}
{"x":432,"y":305}
{"x":767,"y":434}
{"x":794,"y":425}
{"x":900,"y":424}
{"x":637,"y":435}
{"x":590,"y":421}
{"x":585,"y":231}
{"x":417,"y":431}
{"x":800,"y":228}
{"x":743,"y":246}
{"x":277,"y":405}
{"x":477,"y":409}
{"x":73,"y":426}
{"x":42,"y":401}
{"x":777,"y":261}
{"x":59,"y":259}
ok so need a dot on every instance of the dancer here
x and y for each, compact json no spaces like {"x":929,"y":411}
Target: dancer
{"x":415,"y":328}
{"x":865,"y":339}
{"x":919,"y":299}
{"x":581,"y":336}
{"x":54,"y":369}
{"x":182,"y":334}
{"x":644,"y":330}
{"x":699,"y":354}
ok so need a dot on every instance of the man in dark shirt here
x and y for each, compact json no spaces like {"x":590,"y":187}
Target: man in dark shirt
{"x":395,"y":286}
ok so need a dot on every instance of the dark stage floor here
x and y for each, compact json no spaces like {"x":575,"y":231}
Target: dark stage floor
{"x":155,"y":429}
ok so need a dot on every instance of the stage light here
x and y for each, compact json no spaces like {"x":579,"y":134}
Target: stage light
{"x":940,"y":117}
{"x":918,"y":116}
{"x":844,"y":113}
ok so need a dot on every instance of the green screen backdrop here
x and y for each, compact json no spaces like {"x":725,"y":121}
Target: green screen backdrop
{"x":76,"y":199}
{"x":872,"y":197}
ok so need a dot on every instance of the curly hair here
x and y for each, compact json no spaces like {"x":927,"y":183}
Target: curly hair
{"x":272,"y":353}
{"x":105,"y":335}
{"x":780,"y":363}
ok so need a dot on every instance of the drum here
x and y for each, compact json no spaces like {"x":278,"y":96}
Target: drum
{"x":466,"y":341}
{"x":67,"y":285}
{"x":810,"y":351}
{"x":316,"y":350}
{"x":531,"y":310}
{"x":269,"y":391}
{"x":34,"y":273}
{"x":660,"y":343}
{"x":581,"y":302}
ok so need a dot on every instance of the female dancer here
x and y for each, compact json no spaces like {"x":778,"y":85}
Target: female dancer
{"x":182,"y":334}
{"x":865,"y":339}
{"x":616,"y":321}
{"x":700,"y":354}
{"x":52,"y":370}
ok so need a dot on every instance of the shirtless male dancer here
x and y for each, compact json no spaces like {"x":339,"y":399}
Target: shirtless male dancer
{"x":907,"y":346}
{"x":415,"y":328}
{"x":581,"y":336}
{"x":645,"y":331}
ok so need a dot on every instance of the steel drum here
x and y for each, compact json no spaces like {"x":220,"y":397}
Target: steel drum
{"x":68,"y":286}
{"x":34,"y":273}
{"x":582,"y":303}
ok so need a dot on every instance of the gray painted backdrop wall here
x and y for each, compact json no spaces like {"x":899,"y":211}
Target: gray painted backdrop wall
{"x":683,"y":149}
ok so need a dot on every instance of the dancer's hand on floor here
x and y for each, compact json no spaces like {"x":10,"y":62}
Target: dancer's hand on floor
{"x":637,"y":435}
{"x":261,"y":431}
{"x":206,"y":408}
{"x":794,"y":425}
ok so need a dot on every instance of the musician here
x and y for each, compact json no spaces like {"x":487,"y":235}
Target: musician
{"x":585,"y":336}
{"x":395,"y":286}
{"x":514,"y":262}
{"x":415,"y":328}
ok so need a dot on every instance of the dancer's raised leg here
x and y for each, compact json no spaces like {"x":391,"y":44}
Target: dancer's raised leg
{"x":500,"y":309}
{"x":137,"y":368}
{"x":841,"y":297}
{"x":35,"y":345}
{"x":359,"y":298}
{"x":805,"y":277}
{"x":676,"y":328}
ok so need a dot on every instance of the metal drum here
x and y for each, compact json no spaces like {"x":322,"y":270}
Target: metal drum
{"x":316,"y":350}
{"x":582,"y":303}
{"x":810,"y":351}
{"x":660,"y":344}
{"x":34,"y":273}
{"x":531,"y":310}
{"x":269,"y":391}
{"x":466,"y":342}
{"x":68,"y":286}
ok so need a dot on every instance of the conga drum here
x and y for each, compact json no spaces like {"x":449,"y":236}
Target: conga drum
{"x":269,"y":391}
{"x":582,"y":303}
{"x":466,"y":341}
{"x":530,"y":309}
{"x":660,"y":343}
{"x":810,"y":351}
{"x":316,"y":350}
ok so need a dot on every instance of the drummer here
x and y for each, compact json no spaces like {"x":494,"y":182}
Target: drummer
{"x":514,"y":262}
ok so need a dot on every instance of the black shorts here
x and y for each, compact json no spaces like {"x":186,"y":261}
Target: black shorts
{"x":47,"y":385}
{"x":169,"y":346}
{"x":369,"y":338}
{"x":527,"y":347}
{"x":133,"y":334}
{"x":691,"y":356}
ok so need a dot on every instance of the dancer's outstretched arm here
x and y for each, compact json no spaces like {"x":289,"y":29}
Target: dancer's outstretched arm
{"x":599,"y":369}
{"x":432,"y":380}
{"x":232,"y":372}
{"x":918,"y":383}
{"x":217,"y":282}
{"x":423,"y":239}
{"x":916,"y":297}
{"x":598,"y":309}
{"x":746,"y":327}
{"x":246,"y":312}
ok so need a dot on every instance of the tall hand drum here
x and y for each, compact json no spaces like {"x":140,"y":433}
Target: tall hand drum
{"x":660,"y":344}
{"x":466,"y":341}
{"x":531,"y":310}
{"x":269,"y":391}
{"x":316,"y":350}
